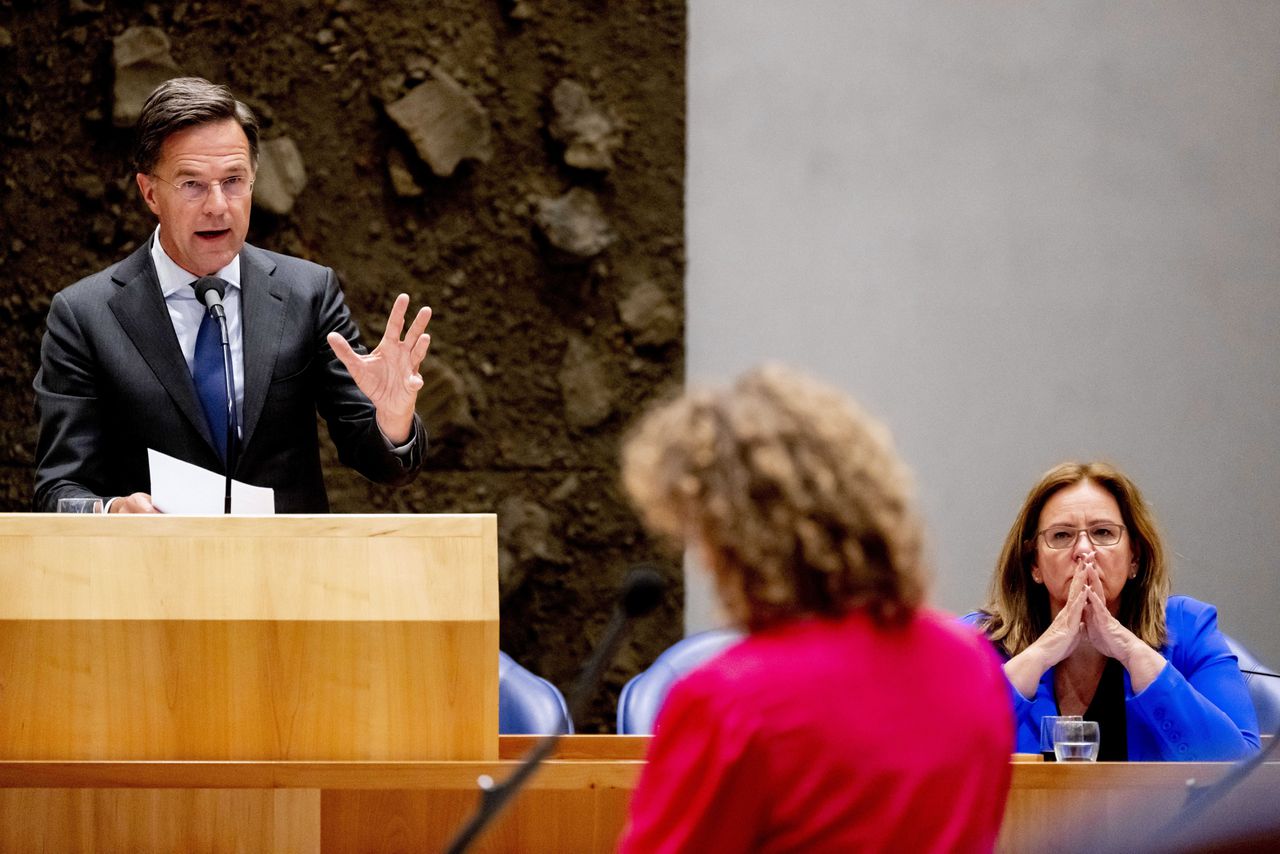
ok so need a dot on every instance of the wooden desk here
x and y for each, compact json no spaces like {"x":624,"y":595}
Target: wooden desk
{"x":1071,"y":807}
{"x":577,"y":802}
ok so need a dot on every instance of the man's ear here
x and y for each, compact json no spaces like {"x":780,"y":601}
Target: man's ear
{"x":147,"y":188}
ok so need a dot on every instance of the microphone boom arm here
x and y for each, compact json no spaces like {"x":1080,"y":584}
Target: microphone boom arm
{"x":642,"y":591}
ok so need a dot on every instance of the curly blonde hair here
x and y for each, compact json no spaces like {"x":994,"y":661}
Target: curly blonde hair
{"x":1017,"y":609}
{"x":797,"y":496}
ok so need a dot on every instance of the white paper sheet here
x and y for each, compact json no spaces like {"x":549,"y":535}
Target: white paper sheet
{"x":180,"y":488}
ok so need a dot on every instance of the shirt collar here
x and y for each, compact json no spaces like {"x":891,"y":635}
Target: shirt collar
{"x":174,"y":279}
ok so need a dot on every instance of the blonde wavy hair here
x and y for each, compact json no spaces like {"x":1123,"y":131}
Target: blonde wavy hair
{"x":796,"y":495}
{"x":1018,"y":608}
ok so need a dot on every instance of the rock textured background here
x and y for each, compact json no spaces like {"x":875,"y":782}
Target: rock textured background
{"x":517,"y":166}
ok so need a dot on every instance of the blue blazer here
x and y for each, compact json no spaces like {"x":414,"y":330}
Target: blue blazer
{"x":1197,"y":709}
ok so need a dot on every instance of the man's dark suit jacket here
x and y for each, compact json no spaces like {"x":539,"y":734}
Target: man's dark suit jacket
{"x":113,"y":382}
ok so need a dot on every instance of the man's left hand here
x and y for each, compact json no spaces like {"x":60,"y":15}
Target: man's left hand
{"x":389,"y":376}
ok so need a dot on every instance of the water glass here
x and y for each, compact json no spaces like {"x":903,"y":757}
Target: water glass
{"x":1046,"y":733}
{"x":1076,"y":741}
{"x":79,"y":505}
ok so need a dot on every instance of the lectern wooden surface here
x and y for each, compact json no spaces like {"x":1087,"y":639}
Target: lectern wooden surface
{"x":577,"y":803}
{"x":238,"y":638}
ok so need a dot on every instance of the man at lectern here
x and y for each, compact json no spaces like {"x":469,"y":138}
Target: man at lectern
{"x":131,"y":360}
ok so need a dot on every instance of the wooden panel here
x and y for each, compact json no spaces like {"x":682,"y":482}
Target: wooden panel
{"x":1047,"y":800}
{"x":559,"y":775}
{"x":540,"y":821}
{"x":70,"y":821}
{"x":186,"y":690}
{"x":599,"y":747}
{"x":290,"y":638}
{"x":572,"y":804}
{"x":142,"y":821}
{"x":236,"y":568}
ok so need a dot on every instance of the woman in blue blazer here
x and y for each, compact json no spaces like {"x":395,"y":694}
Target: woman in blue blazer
{"x":1080,"y":609}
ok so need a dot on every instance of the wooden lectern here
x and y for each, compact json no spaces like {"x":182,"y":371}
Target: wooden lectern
{"x":238,"y":639}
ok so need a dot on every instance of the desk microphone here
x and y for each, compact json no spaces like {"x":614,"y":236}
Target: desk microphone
{"x":1249,"y":672}
{"x":210,"y":290}
{"x":641,"y":592}
{"x":1201,"y":796}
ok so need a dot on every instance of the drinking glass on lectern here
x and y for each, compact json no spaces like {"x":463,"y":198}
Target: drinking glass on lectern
{"x":1076,"y":741}
{"x":79,"y":505}
{"x":1046,"y":734}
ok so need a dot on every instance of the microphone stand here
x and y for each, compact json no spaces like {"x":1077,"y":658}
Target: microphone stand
{"x":209,"y":291}
{"x":1201,"y":796}
{"x":1246,"y":671}
{"x":642,"y":592}
{"x":233,"y":437}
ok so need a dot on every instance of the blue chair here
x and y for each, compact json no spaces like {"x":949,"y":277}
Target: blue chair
{"x":527,"y":703}
{"x":1265,"y":690}
{"x":642,"y":697}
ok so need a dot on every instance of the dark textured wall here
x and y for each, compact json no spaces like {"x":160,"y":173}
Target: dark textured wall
{"x":555,"y":322}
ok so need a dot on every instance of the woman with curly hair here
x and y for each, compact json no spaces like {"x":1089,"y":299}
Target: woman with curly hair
{"x":852,"y":717}
{"x":1080,"y":608}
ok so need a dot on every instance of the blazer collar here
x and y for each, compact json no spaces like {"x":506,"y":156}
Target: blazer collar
{"x":139,"y":308}
{"x":264,"y":300}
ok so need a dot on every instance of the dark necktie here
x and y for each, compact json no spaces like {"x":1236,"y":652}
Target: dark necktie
{"x":210,"y":376}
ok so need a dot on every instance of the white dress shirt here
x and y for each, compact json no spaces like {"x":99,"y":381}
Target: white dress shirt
{"x":187,"y":312}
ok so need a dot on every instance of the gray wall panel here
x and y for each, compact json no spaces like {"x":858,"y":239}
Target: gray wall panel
{"x":1019,"y":233}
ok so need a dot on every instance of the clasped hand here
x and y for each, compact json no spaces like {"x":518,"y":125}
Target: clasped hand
{"x":1085,"y":615}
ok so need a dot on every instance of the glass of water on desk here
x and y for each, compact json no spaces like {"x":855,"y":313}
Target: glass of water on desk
{"x":79,"y":505}
{"x":1075,"y":741}
{"x":1046,"y":734}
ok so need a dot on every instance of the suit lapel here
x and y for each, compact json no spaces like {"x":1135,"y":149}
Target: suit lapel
{"x":262,"y":312}
{"x":139,"y":308}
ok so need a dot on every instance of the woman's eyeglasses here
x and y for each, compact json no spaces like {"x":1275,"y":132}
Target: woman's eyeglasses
{"x":1065,"y":536}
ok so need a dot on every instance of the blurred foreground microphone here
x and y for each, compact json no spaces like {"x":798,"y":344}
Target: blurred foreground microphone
{"x":209,"y":291}
{"x":641,"y":592}
{"x":1253,"y":824}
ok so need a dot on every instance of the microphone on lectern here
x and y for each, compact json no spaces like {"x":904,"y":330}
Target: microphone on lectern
{"x":210,"y":291}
